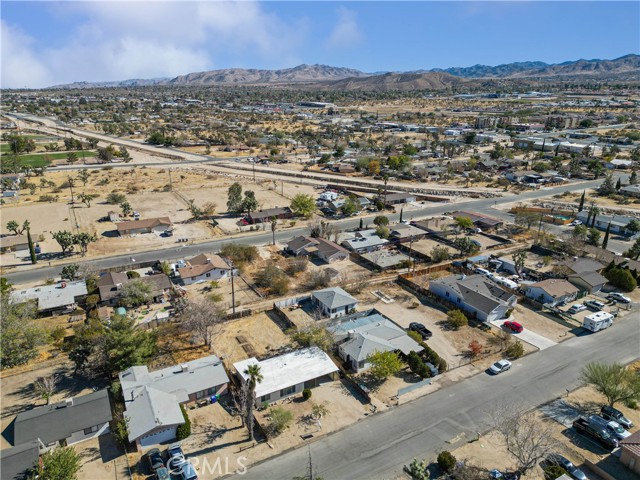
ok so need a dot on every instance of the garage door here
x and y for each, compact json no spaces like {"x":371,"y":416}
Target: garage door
{"x":160,"y":436}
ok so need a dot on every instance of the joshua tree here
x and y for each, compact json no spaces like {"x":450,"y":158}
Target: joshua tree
{"x":255,"y":377}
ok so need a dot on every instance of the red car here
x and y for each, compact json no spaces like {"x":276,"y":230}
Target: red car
{"x":515,"y":327}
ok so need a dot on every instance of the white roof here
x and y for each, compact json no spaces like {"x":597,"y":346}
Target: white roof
{"x":151,"y":408}
{"x":288,"y":369}
{"x":51,"y":296}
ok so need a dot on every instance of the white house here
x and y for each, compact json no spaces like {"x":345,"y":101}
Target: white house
{"x":203,"y":268}
{"x":552,"y":291}
{"x":289,"y":374}
{"x":333,"y":302}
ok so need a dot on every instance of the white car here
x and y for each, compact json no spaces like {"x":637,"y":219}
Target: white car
{"x":483,"y":271}
{"x":575,"y":223}
{"x":617,"y":431}
{"x":500,"y":366}
{"x":618,"y":297}
{"x":578,"y":307}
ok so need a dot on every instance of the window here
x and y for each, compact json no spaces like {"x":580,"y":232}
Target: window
{"x":211,"y":391}
{"x":208,"y":275}
{"x":90,"y":430}
{"x":287,"y":391}
{"x":265,"y":398}
{"x":199,"y":395}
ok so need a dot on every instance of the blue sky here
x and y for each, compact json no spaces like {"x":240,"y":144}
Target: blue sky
{"x":47,"y":43}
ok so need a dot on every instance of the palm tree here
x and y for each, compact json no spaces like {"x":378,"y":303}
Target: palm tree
{"x":255,"y":377}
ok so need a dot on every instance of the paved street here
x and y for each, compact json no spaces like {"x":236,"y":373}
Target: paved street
{"x":378,"y":447}
{"x":483,"y":205}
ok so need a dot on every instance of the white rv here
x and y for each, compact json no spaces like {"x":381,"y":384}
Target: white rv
{"x":597,"y":321}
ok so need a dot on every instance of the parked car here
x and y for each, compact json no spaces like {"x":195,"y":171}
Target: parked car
{"x":155,"y":459}
{"x":578,"y":307}
{"x":500,"y":366}
{"x":594,"y":305}
{"x":571,"y":469}
{"x":618,"y":297}
{"x":611,"y":413}
{"x":617,"y":431}
{"x":421,"y":329}
{"x":575,"y":223}
{"x":513,"y":326}
{"x":598,"y":433}
{"x":176,"y":455}
{"x":187,"y":472}
{"x":482,"y":271}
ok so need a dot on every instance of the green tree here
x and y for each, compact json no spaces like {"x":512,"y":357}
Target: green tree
{"x":32,"y":250}
{"x":593,"y":237}
{"x":384,"y":364}
{"x":249,"y":203}
{"x":87,"y":198}
{"x":527,"y":219}
{"x":196,"y":212}
{"x":464,"y":223}
{"x":621,"y":278}
{"x":234,"y":198}
{"x":126,"y":208}
{"x":135,"y":293}
{"x":303,"y":204}
{"x":466,"y":246}
{"x":60,"y":463}
{"x":634,"y":251}
{"x":581,"y":206}
{"x":15,"y":227}
{"x":456,"y":319}
{"x":312,"y":336}
{"x":607,"y":187}
{"x":165,"y":267}
{"x":514,"y":350}
{"x":605,"y":242}
{"x":383,"y":232}
{"x":19,"y":333}
{"x":339,"y":151}
{"x":633,"y":178}
{"x":123,"y":345}
{"x":83,"y":176}
{"x":519,"y":260}
{"x":184,"y":430}
{"x":70,"y":272}
{"x":124,"y":154}
{"x":615,"y":382}
{"x":446,"y":461}
{"x":116,"y":198}
{"x":633,"y":226}
{"x":83,"y":239}
{"x":440,"y":253}
{"x":273,"y":278}
{"x":254,"y":377}
{"x":381,"y":221}
{"x":349,"y":207}
{"x":281,"y":418}
{"x":65,"y":239}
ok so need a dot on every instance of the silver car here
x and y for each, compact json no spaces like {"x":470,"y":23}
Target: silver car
{"x":500,"y":366}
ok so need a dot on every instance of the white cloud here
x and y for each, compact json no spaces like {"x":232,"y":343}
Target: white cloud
{"x":346,"y":32}
{"x":20,"y":65}
{"x":144,"y":39}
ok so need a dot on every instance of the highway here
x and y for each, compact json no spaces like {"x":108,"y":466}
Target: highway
{"x":377,"y":447}
{"x":176,"y":251}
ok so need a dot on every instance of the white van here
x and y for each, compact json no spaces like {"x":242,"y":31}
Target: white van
{"x":597,"y":321}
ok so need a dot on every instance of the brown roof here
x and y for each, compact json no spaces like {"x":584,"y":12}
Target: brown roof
{"x":13,"y":240}
{"x":146,"y":223}
{"x":202,"y":265}
{"x":195,"y":270}
{"x":198,"y":260}
{"x":556,"y":287}
{"x":632,"y":443}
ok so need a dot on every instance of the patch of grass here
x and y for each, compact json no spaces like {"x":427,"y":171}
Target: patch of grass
{"x":37,"y":160}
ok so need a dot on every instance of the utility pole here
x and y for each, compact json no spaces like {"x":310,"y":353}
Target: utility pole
{"x":233,"y":290}
{"x":170,"y":182}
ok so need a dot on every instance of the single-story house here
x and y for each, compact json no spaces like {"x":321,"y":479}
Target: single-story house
{"x":325,"y":250}
{"x":148,"y":225}
{"x":590,"y":282}
{"x":484,"y":222}
{"x":618,"y":222}
{"x":52,"y":298}
{"x":333,"y":302}
{"x":475,"y":294}
{"x":266,"y":215}
{"x":630,"y":452}
{"x":17,"y":463}
{"x":152,"y":399}
{"x":386,"y":259}
{"x":203,"y":268}
{"x":398,"y":198}
{"x":110,"y":285}
{"x":289,"y":374}
{"x":405,"y":233}
{"x":631,"y":190}
{"x":14,"y":243}
{"x":364,"y":241}
{"x":358,"y":336}
{"x":552,"y":291}
{"x":583,"y":265}
{"x":71,"y":421}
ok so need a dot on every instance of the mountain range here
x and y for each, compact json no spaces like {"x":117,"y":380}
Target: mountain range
{"x":340,"y":78}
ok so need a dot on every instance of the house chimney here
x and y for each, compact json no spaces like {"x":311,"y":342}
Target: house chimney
{"x":351,"y":333}
{"x":184,"y":368}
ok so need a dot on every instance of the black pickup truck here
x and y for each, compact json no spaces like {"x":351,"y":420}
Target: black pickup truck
{"x":599,"y":434}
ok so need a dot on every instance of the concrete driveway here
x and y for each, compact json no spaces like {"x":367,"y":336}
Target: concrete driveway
{"x":528,"y":336}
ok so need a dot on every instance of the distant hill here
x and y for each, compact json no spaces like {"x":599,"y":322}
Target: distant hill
{"x":396,"y":81}
{"x":336,"y":78}
{"x":301,"y":73}
{"x":622,"y":65}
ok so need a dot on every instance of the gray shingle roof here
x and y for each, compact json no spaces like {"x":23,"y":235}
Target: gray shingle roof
{"x":477,"y":291}
{"x":150,"y":409}
{"x":334,"y":297}
{"x":60,"y":420}
{"x":15,"y":461}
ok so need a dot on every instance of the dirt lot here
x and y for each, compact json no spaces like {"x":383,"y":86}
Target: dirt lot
{"x":256,"y":335}
{"x":554,"y":329}
{"x":425,"y":246}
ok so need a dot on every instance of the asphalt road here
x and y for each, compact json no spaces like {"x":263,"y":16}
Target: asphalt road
{"x":177,"y":251}
{"x":378,"y":447}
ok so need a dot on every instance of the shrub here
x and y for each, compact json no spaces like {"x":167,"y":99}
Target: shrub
{"x":47,"y":198}
{"x":280,"y":420}
{"x":446,"y":461}
{"x":306,"y":393}
{"x":631,"y":403}
{"x":415,"y":336}
{"x":240,"y":253}
{"x":515,"y":350}
{"x":621,"y":278}
{"x":115,"y":198}
{"x":296,"y":265}
{"x":554,"y":471}
{"x":184,"y":430}
{"x":456,"y":319}
{"x":475,"y":348}
{"x":132,"y":274}
{"x":384,"y":364}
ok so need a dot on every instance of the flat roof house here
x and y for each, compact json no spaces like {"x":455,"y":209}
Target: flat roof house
{"x":289,"y":374}
{"x":73,"y":420}
{"x":475,"y":294}
{"x":152,"y":399}
{"x":358,"y":336}
{"x":398,"y":198}
{"x":148,"y":225}
{"x":14,"y":243}
{"x":630,"y":452}
{"x":333,"y":302}
{"x":267,"y":214}
{"x":483,"y":222}
{"x":365,"y":241}
{"x":203,"y":268}
{"x":52,"y":298}
{"x":552,"y":291}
